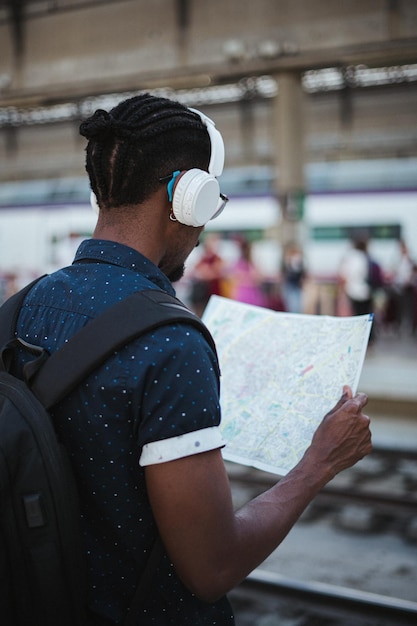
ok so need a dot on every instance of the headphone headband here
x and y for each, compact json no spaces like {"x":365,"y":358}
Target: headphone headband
{"x":217,"y":146}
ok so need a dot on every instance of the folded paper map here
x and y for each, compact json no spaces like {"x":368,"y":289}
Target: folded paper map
{"x":280,"y":374}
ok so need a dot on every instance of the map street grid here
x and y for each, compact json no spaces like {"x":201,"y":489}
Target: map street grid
{"x":280,"y":374}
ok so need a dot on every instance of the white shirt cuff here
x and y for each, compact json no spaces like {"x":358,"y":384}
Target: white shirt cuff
{"x":183,"y":445}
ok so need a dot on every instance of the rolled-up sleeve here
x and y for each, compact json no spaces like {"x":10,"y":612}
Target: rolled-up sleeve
{"x":184,"y":445}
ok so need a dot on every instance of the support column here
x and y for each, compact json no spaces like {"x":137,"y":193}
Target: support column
{"x":289,"y":141}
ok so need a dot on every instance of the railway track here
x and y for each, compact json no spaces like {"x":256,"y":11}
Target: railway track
{"x":268,"y":599}
{"x":383,"y":488}
{"x":363,"y":484}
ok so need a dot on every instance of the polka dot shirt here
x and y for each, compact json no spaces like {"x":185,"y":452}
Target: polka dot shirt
{"x":154,"y":400}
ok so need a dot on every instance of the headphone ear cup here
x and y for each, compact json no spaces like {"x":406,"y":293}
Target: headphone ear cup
{"x":94,"y":203}
{"x":195,"y":198}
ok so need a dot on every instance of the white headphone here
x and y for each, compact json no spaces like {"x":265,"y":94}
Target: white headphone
{"x":94,"y":203}
{"x":195,"y":195}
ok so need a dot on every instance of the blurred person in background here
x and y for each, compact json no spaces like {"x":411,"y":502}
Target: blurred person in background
{"x":292,"y":276}
{"x":207,"y":275}
{"x":414,"y":287}
{"x":244,"y":277}
{"x":401,"y":293}
{"x":359,"y":277}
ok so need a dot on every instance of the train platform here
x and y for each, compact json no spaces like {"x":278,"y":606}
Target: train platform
{"x":389,"y":377}
{"x":390,"y":368}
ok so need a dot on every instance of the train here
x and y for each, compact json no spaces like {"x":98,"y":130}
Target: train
{"x":43,"y":221}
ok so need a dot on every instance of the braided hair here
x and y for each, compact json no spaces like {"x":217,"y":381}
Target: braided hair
{"x":139,"y":141}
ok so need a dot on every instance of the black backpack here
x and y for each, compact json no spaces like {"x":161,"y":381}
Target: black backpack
{"x":42,"y":569}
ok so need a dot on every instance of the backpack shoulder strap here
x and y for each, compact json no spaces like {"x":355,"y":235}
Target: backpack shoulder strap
{"x":9,"y":312}
{"x":140,"y":312}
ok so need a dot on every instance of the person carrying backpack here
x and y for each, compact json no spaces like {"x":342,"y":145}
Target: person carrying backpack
{"x":142,"y":430}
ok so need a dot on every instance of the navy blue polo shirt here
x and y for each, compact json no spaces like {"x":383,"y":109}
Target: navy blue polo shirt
{"x":155,"y":400}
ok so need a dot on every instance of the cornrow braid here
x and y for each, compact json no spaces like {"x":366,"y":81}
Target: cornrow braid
{"x":139,"y":141}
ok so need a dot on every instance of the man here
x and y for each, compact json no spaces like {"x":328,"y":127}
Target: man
{"x":354,"y":274}
{"x":359,"y":276}
{"x":142,"y":431}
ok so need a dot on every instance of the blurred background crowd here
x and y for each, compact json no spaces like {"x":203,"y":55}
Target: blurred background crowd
{"x":228,"y":268}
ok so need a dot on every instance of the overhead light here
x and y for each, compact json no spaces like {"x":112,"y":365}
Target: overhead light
{"x":269,"y":49}
{"x":234,"y":50}
{"x":5,"y":81}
